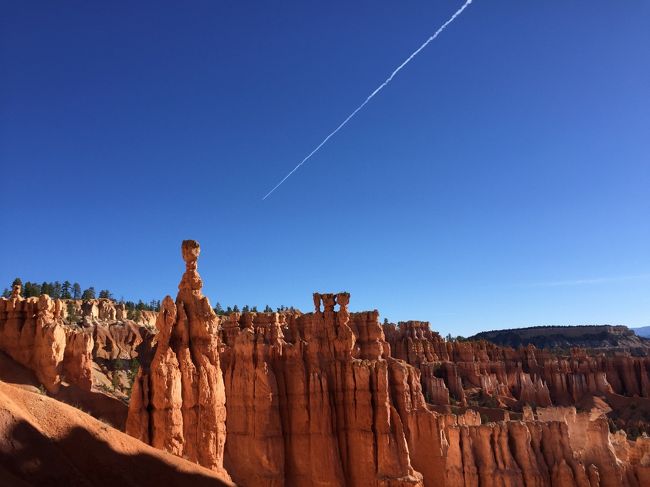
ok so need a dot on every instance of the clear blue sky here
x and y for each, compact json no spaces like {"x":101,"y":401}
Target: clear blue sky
{"x":502,"y":179}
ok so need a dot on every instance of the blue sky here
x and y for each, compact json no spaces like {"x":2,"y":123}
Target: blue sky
{"x":502,"y":179}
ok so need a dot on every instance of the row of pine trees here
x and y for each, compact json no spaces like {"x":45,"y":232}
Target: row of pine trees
{"x":68,"y":290}
{"x":247,"y":309}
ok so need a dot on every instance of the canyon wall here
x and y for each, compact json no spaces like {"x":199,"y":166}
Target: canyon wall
{"x":37,"y":333}
{"x":32,"y":333}
{"x":513,"y":377}
{"x":319,"y":399}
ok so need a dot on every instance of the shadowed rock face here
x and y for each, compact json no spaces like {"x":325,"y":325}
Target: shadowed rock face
{"x":44,"y":442}
{"x":178,"y":399}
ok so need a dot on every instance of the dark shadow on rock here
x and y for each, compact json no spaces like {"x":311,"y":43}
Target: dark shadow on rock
{"x":27,"y":458}
{"x":12,"y":372}
{"x":99,"y":405}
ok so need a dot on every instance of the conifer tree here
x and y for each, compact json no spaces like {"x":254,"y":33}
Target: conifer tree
{"x":88,"y":294}
{"x":65,"y":290}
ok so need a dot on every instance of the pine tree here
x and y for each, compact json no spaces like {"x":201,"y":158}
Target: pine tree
{"x":268,"y":309}
{"x":56,"y":290}
{"x":27,"y":290}
{"x":235,"y":309}
{"x":72,"y":314}
{"x":245,"y":309}
{"x":6,"y":293}
{"x":76,"y":291}
{"x":106,"y":294}
{"x":254,"y":309}
{"x":88,"y":294}
{"x":228,"y":310}
{"x":218,"y":309}
{"x":65,"y":290}
{"x":18,"y":281}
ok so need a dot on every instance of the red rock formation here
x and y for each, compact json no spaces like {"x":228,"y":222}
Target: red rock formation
{"x":513,"y":377}
{"x":309,"y":402}
{"x":31,"y":332}
{"x":588,"y":436}
{"x":319,"y":400}
{"x":78,"y":358}
{"x":34,"y":332}
{"x":178,"y":400}
{"x":103,"y":310}
{"x":120,"y":340}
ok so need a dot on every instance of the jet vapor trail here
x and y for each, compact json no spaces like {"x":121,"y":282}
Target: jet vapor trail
{"x":381,"y":86}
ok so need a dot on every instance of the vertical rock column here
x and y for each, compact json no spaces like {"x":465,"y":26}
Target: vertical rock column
{"x":178,"y":399}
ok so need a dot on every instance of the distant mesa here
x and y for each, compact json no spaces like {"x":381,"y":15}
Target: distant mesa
{"x":595,"y":337}
{"x":643,"y":331}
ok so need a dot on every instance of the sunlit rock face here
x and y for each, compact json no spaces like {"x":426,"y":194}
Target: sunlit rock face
{"x":178,"y":398}
{"x":318,"y":399}
{"x":32,"y":333}
{"x":333,"y":398}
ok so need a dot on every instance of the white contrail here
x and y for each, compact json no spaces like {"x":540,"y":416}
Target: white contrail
{"x":381,"y":86}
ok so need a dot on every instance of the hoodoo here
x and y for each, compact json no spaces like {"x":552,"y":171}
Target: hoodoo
{"x":178,"y":399}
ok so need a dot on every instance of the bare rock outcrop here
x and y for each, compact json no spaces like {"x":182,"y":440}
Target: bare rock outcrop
{"x":32,"y":333}
{"x":309,"y":400}
{"x":513,"y":377}
{"x":78,"y":358}
{"x":178,"y":399}
{"x":317,"y":399}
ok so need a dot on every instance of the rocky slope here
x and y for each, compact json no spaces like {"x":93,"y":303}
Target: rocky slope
{"x":47,"y":443}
